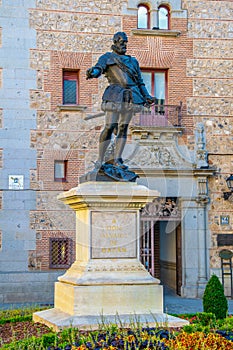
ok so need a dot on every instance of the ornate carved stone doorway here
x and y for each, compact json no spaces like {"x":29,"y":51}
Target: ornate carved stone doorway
{"x":160,"y":241}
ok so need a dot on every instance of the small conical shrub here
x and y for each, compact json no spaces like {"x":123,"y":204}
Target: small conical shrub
{"x":214,"y":299}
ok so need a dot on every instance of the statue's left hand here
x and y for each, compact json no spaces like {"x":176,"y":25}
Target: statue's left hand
{"x":150,"y":100}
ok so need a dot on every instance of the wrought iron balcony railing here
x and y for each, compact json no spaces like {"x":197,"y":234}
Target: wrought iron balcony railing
{"x":159,"y":115}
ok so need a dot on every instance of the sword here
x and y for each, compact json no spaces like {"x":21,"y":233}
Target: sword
{"x":100,"y":114}
{"x":92,"y":116}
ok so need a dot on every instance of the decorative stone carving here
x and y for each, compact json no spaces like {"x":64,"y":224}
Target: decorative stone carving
{"x":157,"y":149}
{"x":203,"y":200}
{"x":201,"y":152}
{"x":162,"y":208}
{"x":34,"y":261}
{"x":115,"y":265}
{"x":230,"y":198}
{"x":202,"y":186}
{"x":154,"y":156}
{"x":202,"y":197}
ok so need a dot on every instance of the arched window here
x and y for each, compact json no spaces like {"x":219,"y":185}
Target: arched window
{"x":143,"y":16}
{"x":163,"y":17}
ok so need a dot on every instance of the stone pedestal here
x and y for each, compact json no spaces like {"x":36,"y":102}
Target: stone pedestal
{"x":107,"y":279}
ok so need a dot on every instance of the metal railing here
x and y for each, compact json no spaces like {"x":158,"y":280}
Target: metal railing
{"x":159,"y":115}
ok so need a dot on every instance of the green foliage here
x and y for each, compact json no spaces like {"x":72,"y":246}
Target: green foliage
{"x":14,"y":319}
{"x":68,"y":335}
{"x":206,"y":319}
{"x":226,"y":324}
{"x":214,"y":300}
{"x":196,"y":327}
{"x":19,"y":315}
{"x":32,"y":343}
{"x":48,"y":339}
{"x":184,"y":316}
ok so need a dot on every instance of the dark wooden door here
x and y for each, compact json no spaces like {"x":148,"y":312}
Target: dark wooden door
{"x":178,"y":260}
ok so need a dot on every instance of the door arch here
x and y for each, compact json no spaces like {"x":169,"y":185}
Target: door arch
{"x":160,"y":241}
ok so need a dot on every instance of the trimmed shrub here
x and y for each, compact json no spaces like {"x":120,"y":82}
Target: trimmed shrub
{"x":214,"y":300}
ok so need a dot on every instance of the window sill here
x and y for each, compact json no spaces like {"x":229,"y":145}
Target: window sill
{"x":72,"y":107}
{"x":156,"y":32}
{"x":60,"y":180}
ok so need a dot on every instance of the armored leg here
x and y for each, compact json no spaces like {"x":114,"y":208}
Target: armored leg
{"x":121,"y":137}
{"x":110,"y":127}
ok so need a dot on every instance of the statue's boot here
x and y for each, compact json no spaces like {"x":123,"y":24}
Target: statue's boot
{"x":119,"y":163}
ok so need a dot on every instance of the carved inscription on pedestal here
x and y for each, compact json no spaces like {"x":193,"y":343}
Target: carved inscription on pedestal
{"x":114,"y":235}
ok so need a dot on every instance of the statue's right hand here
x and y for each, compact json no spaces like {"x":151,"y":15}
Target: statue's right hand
{"x":89,"y":73}
{"x":93,"y":72}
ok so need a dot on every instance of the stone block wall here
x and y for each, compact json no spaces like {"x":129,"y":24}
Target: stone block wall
{"x":64,"y":34}
{"x":74,"y":39}
{"x":210,"y":26}
{"x":16,"y":120}
{"x":1,"y":118}
{"x":28,"y":287}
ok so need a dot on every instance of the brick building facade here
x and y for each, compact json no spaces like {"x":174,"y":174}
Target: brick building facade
{"x":45,"y":43}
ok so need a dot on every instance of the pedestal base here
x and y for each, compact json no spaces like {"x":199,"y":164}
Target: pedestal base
{"x":57,"y":320}
{"x":107,"y":291}
{"x":104,"y":288}
{"x":107,"y":282}
{"x":109,"y":299}
{"x":108,"y":286}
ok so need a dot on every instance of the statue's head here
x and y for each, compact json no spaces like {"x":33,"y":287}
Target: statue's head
{"x":120,"y":43}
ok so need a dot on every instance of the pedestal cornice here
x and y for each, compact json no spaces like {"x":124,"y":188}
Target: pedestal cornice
{"x":105,"y":194}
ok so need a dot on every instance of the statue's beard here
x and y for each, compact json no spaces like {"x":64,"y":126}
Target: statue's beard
{"x":120,"y":50}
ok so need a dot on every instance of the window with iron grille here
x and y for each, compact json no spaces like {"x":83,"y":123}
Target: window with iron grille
{"x":60,"y":253}
{"x":70,"y":87}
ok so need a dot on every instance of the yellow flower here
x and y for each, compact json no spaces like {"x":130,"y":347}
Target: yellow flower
{"x":130,"y":338}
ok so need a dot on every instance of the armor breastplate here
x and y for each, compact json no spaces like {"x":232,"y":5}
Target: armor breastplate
{"x":115,"y":75}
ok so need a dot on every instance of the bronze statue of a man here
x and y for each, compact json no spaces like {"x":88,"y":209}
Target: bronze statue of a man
{"x":125,"y":95}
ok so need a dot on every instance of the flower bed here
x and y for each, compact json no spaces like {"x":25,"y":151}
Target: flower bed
{"x":204,"y":332}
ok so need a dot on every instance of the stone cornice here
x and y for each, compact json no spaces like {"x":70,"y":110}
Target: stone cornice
{"x":144,"y":131}
{"x":94,"y":195}
{"x":182,"y":172}
{"x":185,"y":172}
{"x":72,"y":108}
{"x":156,"y":32}
{"x":206,"y":172}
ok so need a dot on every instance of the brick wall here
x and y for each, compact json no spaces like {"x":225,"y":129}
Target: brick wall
{"x":63,"y":42}
{"x":200,"y":75}
{"x":39,"y":259}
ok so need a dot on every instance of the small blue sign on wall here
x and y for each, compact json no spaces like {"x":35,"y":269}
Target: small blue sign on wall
{"x":224,"y":219}
{"x":16,"y":182}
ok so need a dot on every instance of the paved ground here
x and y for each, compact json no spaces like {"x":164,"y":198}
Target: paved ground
{"x":173,"y":304}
